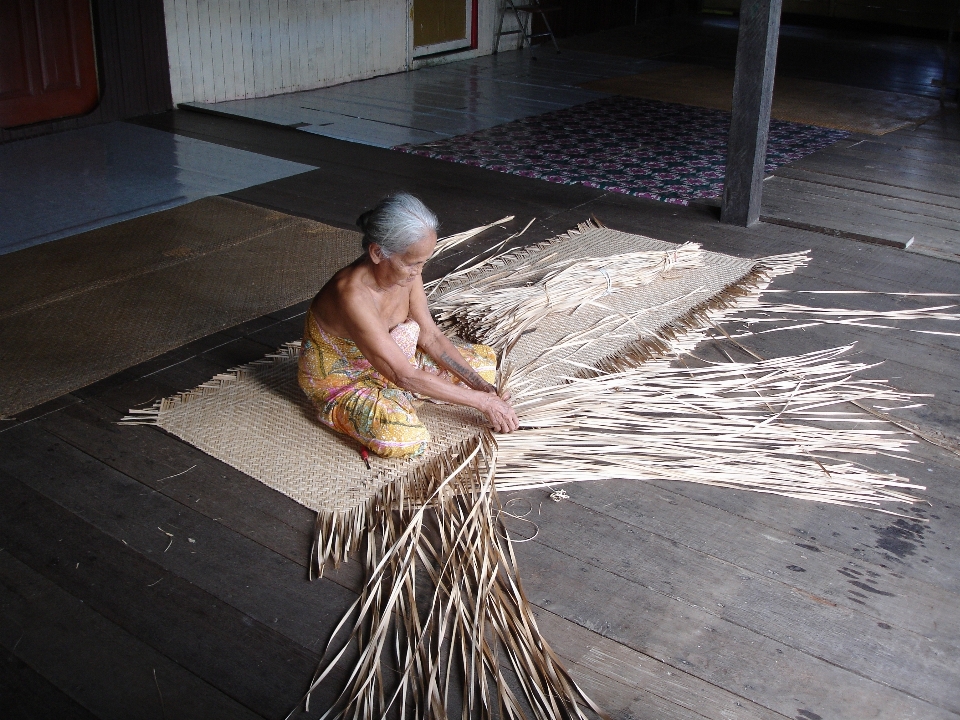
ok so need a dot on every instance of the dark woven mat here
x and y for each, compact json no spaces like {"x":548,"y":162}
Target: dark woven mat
{"x":80,"y":309}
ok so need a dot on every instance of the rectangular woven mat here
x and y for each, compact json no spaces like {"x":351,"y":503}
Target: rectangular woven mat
{"x":841,"y":107}
{"x":257,"y":419}
{"x":80,"y":309}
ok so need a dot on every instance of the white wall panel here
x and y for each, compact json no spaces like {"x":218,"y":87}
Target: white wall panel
{"x":232,"y":49}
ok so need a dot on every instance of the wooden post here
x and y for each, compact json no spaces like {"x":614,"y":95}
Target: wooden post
{"x":750,"y":124}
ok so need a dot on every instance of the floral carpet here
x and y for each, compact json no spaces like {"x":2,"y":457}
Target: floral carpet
{"x":650,"y":149}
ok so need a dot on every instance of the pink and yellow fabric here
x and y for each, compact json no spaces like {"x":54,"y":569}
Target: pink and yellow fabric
{"x":352,"y":398}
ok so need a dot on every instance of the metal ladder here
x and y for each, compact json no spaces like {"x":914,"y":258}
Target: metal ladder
{"x":525,"y":23}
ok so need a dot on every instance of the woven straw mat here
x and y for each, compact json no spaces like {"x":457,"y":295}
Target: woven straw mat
{"x":78,"y":310}
{"x":259,"y":421}
{"x":875,"y":112}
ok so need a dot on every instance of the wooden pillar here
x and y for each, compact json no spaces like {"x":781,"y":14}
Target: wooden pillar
{"x":752,"y":97}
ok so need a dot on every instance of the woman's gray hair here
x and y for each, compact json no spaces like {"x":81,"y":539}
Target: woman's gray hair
{"x":396,"y":223}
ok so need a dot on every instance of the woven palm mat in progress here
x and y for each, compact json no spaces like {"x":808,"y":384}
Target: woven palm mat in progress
{"x":257,"y":419}
{"x":80,"y":309}
{"x":840,"y":107}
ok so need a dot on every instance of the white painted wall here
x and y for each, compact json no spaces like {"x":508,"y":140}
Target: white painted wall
{"x":231,"y":49}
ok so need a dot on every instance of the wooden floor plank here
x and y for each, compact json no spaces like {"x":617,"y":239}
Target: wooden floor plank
{"x":244,"y":658}
{"x":163,"y":463}
{"x":27,"y":695}
{"x":259,"y":583}
{"x":875,"y":216}
{"x":915,"y":138}
{"x":697,"y":641}
{"x":937,"y":249}
{"x":932,"y":221}
{"x":630,"y":684}
{"x":934,"y":160}
{"x":766,"y":605}
{"x":826,"y":573}
{"x":869,"y":169}
{"x":67,"y":661}
{"x":874,"y":187}
{"x":900,"y":546}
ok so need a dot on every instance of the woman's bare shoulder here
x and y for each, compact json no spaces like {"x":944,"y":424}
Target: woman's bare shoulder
{"x":348,"y":283}
{"x":343,"y":301}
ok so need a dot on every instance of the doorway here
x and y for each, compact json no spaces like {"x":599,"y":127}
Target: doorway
{"x":48,"y":66}
{"x":441,"y":26}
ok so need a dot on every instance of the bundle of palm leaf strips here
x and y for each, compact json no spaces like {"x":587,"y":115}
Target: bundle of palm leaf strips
{"x":791,"y":426}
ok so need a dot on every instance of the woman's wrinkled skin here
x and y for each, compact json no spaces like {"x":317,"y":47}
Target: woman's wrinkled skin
{"x":364,"y":300}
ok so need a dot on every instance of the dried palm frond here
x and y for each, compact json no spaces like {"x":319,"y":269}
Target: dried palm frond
{"x":445,"y":535}
{"x":499,"y":310}
{"x":451,"y":241}
{"x":776,"y":426}
{"x":793,"y":316}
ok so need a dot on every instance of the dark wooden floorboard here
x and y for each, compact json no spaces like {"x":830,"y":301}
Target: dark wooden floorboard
{"x":700,"y":641}
{"x":936,"y":163}
{"x":857,"y":215}
{"x":262,"y":584}
{"x":775,"y":606}
{"x":199,"y":482}
{"x":636,"y":685}
{"x":885,"y":207}
{"x":128,"y":582}
{"x":898,"y":189}
{"x":786,"y":604}
{"x":875,"y":169}
{"x":766,"y":550}
{"x":933,"y":202}
{"x":66,"y":660}
{"x":27,"y":695}
{"x":919,"y":546}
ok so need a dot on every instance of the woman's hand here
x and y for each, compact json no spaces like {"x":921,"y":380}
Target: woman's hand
{"x":498,"y":411}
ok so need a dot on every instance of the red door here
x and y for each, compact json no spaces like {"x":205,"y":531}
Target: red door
{"x":48,"y":67}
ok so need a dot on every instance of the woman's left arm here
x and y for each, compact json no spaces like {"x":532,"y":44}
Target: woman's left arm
{"x":438,"y":346}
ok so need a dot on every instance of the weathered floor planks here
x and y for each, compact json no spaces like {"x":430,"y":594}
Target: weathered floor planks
{"x":900,"y":189}
{"x":82,"y":665}
{"x":700,"y":641}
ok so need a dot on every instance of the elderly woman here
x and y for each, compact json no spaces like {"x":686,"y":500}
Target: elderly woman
{"x":370,"y":345}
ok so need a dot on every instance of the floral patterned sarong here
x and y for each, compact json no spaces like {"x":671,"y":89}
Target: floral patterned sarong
{"x":354,"y":399}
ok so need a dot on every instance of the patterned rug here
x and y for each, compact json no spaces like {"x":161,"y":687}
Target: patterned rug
{"x":646,"y":148}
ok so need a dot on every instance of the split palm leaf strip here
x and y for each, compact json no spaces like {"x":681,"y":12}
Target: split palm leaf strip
{"x":444,"y":647}
{"x":501,"y":309}
{"x":785,"y":426}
